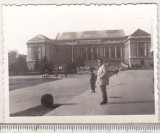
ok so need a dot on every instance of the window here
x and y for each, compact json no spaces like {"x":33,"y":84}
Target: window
{"x":142,"y":49}
{"x":118,"y":52}
{"x":107,"y":52}
{"x":89,"y":53}
{"x":95,"y":53}
{"x":34,"y":52}
{"x":84,"y":53}
{"x":112,"y":52}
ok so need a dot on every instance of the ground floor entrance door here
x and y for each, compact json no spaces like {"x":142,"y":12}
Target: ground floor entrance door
{"x":142,"y":62}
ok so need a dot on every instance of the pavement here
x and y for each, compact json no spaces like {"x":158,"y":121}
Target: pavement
{"x":129,"y":93}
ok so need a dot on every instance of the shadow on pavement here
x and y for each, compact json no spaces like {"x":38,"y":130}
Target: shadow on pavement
{"x":115,"y":97}
{"x":131,"y":102}
{"x":121,"y":84}
{"x":39,"y":110}
{"x":15,"y":84}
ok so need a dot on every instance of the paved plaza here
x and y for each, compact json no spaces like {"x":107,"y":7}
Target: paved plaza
{"x":129,"y":93}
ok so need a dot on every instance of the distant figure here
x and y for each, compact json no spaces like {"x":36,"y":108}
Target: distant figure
{"x":92,"y":80}
{"x":116,"y":71}
{"x":46,"y":74}
{"x":56,"y":74}
{"x":128,"y":66}
{"x":66,"y":74}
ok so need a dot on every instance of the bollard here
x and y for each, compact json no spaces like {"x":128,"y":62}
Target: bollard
{"x":47,"y":100}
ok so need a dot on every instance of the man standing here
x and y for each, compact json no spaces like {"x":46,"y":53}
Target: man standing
{"x":103,"y":79}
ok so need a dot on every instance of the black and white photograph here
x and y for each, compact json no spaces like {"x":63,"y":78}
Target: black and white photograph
{"x":77,"y":60}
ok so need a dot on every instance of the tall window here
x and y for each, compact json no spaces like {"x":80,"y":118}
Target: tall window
{"x":118,"y":52}
{"x":112,"y":52}
{"x":74,"y":53}
{"x":34,"y":52}
{"x":142,"y":49}
{"x":147,"y":49}
{"x":84,"y":53}
{"x":95,"y":53}
{"x":89,"y":53}
{"x":81,"y":56}
{"x":107,"y":52}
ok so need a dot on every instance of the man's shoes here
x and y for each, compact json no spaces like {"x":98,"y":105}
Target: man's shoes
{"x":103,"y":102}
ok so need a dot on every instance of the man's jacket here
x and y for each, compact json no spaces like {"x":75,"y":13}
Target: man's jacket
{"x":102,"y":75}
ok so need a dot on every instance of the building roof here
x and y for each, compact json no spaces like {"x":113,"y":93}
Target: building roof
{"x":40,"y":38}
{"x":90,"y":35}
{"x":140,"y":32}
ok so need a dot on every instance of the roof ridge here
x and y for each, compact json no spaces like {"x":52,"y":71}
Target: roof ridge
{"x":39,"y":37}
{"x":140,"y":32}
{"x":91,"y":31}
{"x":91,"y":34}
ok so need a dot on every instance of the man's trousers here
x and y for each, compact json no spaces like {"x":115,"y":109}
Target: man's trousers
{"x":104,"y":92}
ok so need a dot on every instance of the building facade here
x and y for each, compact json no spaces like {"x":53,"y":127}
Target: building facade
{"x":111,"y":45}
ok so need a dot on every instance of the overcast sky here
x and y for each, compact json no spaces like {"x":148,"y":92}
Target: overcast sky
{"x":21,"y":23}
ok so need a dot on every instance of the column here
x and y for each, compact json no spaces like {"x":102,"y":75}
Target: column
{"x":97,"y":53}
{"x":41,"y":53}
{"x":121,"y":52}
{"x":91,"y":53}
{"x":29,"y":52}
{"x":115,"y":52}
{"x":109,"y":52}
{"x":145,"y":54}
{"x":104,"y":52}
{"x":86,"y":54}
{"x":137,"y":49}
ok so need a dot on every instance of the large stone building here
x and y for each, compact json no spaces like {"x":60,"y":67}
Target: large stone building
{"x":111,"y":45}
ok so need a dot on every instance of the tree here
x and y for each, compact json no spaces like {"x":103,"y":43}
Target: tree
{"x":50,"y":66}
{"x":43,"y":65}
{"x":37,"y":64}
{"x":12,"y":56}
{"x":12,"y":68}
{"x":21,"y":64}
{"x":80,"y":62}
{"x":17,"y":63}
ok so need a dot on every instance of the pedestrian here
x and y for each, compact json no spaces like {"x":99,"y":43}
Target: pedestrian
{"x":103,"y":79}
{"x":116,"y":71}
{"x":56,"y":73}
{"x":66,"y":73}
{"x":92,"y":80}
